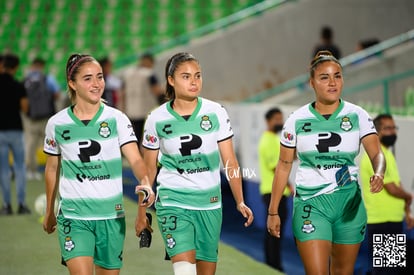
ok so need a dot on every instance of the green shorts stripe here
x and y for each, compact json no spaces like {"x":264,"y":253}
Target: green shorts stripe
{"x":101,"y":239}
{"x":339,"y":217}
{"x":184,"y":230}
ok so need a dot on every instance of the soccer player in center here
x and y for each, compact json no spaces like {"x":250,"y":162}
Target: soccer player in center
{"x":187,"y":136}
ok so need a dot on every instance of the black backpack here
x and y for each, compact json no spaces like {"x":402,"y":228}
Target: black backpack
{"x":41,"y":101}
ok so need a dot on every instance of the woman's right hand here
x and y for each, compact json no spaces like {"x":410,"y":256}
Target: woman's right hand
{"x":49,"y":223}
{"x":273,"y":225}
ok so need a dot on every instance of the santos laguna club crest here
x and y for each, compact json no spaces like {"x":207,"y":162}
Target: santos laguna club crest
{"x":69,"y":244}
{"x":346,"y":124}
{"x":104,"y":130}
{"x":308,"y":227}
{"x":205,"y":123}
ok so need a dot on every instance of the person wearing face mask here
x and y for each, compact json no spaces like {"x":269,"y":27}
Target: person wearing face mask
{"x":268,"y":152}
{"x":385,"y":210}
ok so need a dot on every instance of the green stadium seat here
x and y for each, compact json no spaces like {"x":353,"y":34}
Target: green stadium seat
{"x":123,"y":28}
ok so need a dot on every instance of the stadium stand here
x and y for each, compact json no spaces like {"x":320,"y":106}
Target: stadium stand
{"x":53,"y":29}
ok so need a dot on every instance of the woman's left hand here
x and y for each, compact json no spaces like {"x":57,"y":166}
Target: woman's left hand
{"x":246,"y":212}
{"x":142,"y":223}
{"x":146,"y":191}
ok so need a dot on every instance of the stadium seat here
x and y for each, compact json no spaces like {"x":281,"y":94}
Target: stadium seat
{"x":123,"y":28}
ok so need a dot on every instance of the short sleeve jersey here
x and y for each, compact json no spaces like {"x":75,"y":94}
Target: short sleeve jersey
{"x":188,"y":153}
{"x":382,"y":207}
{"x":324,"y":146}
{"x":90,"y":184}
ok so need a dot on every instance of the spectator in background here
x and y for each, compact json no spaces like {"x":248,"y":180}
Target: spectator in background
{"x":327,"y":43}
{"x":141,"y":92}
{"x":43,"y":92}
{"x":386,"y":209}
{"x":268,"y":153}
{"x":1,"y":63}
{"x":113,"y":84}
{"x":14,"y":100}
{"x":365,"y":44}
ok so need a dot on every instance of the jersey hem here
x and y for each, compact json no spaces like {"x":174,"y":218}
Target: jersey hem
{"x":229,"y":137}
{"x":128,"y":142}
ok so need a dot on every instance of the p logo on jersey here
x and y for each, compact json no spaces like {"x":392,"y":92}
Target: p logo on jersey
{"x":205,"y":123}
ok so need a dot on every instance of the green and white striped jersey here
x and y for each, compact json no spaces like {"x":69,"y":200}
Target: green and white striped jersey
{"x":324,"y":146}
{"x":188,"y":153}
{"x":90,"y":184}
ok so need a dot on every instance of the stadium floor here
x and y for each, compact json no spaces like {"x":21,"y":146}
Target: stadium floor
{"x":250,"y":240}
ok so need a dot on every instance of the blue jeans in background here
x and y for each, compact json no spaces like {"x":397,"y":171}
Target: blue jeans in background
{"x":12,"y":141}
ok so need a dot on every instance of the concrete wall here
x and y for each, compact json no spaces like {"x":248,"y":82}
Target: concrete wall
{"x":394,"y":61}
{"x":275,"y":46}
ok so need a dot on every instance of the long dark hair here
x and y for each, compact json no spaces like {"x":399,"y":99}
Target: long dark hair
{"x":171,"y":66}
{"x":321,"y":57}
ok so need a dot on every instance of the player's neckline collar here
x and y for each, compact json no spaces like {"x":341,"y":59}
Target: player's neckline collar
{"x":181,"y":118}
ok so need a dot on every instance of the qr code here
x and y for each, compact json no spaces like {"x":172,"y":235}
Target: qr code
{"x":389,"y":250}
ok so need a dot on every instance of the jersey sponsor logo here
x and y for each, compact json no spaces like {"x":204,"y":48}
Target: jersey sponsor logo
{"x":305,"y":127}
{"x":322,"y":157}
{"x":205,"y":123}
{"x":166,"y":129}
{"x":132,"y":134}
{"x":82,"y":177}
{"x":189,"y":143}
{"x":214,"y":199}
{"x":151,"y":139}
{"x":288,"y":136}
{"x":186,"y":160}
{"x":104,"y":130}
{"x":51,"y":143}
{"x":65,"y":134}
{"x":90,"y":167}
{"x":326,"y":140}
{"x":330,"y":166}
{"x":346,"y":124}
{"x":87,"y":149}
{"x":371,"y":121}
{"x":198,"y":170}
{"x":193,"y":170}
